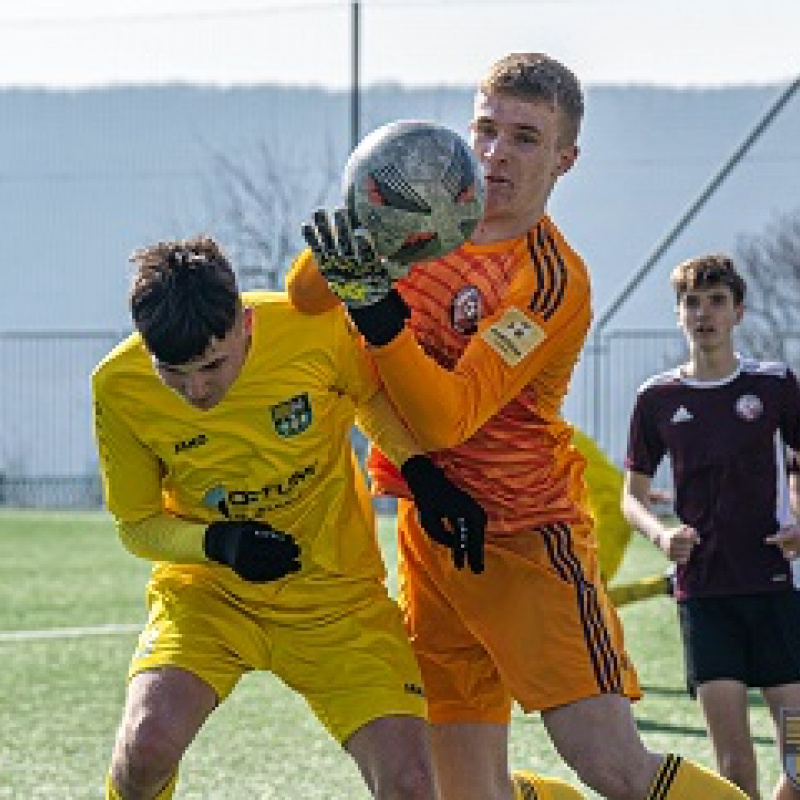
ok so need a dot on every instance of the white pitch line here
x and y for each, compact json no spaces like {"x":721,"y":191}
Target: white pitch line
{"x":68,"y":633}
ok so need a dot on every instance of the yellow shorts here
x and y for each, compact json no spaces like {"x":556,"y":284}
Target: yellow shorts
{"x":536,"y":627}
{"x":340,"y":644}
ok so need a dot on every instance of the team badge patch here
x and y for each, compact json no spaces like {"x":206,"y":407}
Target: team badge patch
{"x":292,"y":416}
{"x":513,"y":336}
{"x":465,"y":310}
{"x":789,"y":733}
{"x":749,"y":407}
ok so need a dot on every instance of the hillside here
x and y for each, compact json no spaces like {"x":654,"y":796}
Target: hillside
{"x":87,"y":176}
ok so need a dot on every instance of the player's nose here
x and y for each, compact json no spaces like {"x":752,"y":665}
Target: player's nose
{"x":195,"y":387}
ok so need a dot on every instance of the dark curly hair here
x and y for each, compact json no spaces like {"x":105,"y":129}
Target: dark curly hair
{"x":184,"y":294}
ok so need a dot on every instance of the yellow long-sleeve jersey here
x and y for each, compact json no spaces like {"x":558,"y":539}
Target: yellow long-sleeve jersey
{"x":276,"y":447}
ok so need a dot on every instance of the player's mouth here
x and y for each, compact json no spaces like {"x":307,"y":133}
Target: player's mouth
{"x":496,"y":180}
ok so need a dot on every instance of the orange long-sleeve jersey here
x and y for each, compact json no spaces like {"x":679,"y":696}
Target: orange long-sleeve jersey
{"x":482,"y":368}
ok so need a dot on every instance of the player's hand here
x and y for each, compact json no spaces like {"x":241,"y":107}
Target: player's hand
{"x":788,"y":540}
{"x":347,"y":259}
{"x":448,"y":514}
{"x":253,"y":550}
{"x":678,"y":543}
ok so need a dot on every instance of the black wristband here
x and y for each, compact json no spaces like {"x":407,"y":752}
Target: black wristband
{"x":380,"y":322}
{"x":419,"y":470}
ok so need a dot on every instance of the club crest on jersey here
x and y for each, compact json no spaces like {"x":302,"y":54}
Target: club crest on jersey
{"x":789,"y":734}
{"x":465,"y":310}
{"x":749,"y":407}
{"x":292,"y":416}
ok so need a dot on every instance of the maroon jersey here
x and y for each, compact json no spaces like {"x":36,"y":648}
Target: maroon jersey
{"x":722,"y":440}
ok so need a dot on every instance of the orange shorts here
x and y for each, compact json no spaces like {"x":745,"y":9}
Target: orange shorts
{"x":536,"y":627}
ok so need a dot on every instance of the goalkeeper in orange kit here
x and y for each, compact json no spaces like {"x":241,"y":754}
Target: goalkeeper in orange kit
{"x":482,"y":392}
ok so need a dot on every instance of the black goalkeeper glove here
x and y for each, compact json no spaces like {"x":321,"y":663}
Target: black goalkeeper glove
{"x":253,"y":550}
{"x":438,"y":501}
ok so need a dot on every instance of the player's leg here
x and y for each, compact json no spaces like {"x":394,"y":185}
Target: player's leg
{"x":352,"y":662}
{"x":597,"y":736}
{"x":779,"y":699}
{"x":622,"y":594}
{"x":468,"y":703}
{"x":472,"y":760}
{"x":393,"y":756}
{"x":778,"y":666}
{"x":164,"y":709}
{"x":190,"y":655}
{"x":485,"y":773}
{"x":725,"y":708}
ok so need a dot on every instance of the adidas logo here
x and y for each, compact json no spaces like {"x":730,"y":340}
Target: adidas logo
{"x":681,"y":415}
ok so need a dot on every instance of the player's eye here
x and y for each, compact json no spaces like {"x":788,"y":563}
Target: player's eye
{"x":527,"y":137}
{"x":484,"y":128}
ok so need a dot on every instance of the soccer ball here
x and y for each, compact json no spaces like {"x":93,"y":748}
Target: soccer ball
{"x":416,"y":188}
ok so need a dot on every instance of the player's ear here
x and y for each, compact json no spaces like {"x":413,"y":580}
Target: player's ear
{"x":247,"y":319}
{"x":566,"y":159}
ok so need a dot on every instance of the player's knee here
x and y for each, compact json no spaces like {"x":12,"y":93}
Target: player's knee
{"x":413,"y":782}
{"x":612,"y":777}
{"x":146,"y":754}
{"x":740,"y":769}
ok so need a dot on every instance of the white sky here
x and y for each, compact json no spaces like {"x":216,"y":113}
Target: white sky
{"x":416,"y":42}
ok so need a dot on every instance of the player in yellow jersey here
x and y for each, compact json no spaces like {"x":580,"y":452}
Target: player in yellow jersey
{"x":223,"y":434}
{"x":476,"y":350}
{"x":604,"y":484}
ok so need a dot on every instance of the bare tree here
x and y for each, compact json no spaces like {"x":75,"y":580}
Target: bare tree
{"x":770,"y":263}
{"x":260,"y":200}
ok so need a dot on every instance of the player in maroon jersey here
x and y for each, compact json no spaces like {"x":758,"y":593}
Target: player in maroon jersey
{"x":724,"y":421}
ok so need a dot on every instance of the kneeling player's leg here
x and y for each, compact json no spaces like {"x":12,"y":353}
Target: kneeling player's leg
{"x":164,"y":709}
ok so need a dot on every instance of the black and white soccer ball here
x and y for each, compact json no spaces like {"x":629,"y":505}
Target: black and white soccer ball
{"x":416,"y":187}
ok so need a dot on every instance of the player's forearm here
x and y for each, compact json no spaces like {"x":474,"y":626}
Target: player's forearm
{"x":639,"y":516}
{"x":163,"y":538}
{"x":439,"y":406}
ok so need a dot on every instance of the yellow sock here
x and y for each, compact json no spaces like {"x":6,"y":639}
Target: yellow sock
{"x":679,"y":779}
{"x":529,"y":786}
{"x":642,"y":589}
{"x":165,"y":794}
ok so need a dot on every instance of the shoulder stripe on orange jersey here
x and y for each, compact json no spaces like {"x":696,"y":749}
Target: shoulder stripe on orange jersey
{"x":550,"y":269}
{"x":605,"y":661}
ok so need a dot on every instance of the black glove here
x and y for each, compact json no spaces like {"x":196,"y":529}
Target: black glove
{"x":253,"y":550}
{"x":439,"y":500}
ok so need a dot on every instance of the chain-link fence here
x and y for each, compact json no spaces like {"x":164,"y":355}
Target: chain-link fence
{"x":47,"y":450}
{"x":47,"y":453}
